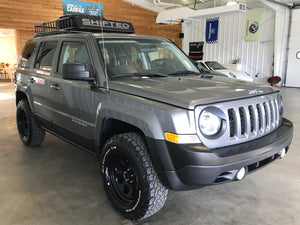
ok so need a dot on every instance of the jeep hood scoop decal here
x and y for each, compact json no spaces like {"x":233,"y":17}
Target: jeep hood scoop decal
{"x":188,"y":92}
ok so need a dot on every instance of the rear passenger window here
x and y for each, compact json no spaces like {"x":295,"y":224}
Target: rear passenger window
{"x":27,"y":55}
{"x":45,"y":55}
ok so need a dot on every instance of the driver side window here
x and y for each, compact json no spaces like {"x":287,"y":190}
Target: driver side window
{"x":74,"y":52}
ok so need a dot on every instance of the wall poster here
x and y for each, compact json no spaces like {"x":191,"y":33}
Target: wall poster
{"x":252,"y":26}
{"x":212,"y":28}
{"x":196,"y":50}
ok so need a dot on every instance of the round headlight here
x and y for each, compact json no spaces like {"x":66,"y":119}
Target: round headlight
{"x":209,"y":123}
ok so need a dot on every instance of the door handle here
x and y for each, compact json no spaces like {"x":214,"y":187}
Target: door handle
{"x":56,"y":87}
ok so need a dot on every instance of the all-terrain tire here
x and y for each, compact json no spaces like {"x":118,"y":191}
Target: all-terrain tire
{"x":30,"y":132}
{"x":129,"y":178}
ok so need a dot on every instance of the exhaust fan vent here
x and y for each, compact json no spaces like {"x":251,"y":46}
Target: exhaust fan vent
{"x":242,"y":7}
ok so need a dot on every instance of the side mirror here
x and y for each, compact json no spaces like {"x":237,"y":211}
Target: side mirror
{"x":202,"y":70}
{"x":75,"y":71}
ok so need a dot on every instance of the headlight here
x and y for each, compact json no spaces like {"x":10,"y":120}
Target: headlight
{"x":209,"y":123}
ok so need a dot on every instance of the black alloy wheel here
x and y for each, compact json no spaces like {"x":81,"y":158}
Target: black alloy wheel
{"x":22,"y":123}
{"x":122,"y":177}
{"x":129,"y":178}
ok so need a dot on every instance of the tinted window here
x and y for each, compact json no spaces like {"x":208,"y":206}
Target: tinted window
{"x":45,"y":55}
{"x":27,"y":55}
{"x":74,"y":52}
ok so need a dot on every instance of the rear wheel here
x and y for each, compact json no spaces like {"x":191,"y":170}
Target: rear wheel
{"x":29,"y":131}
{"x":129,"y":178}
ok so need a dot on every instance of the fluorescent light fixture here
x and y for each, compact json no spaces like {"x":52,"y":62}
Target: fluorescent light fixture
{"x":230,"y":3}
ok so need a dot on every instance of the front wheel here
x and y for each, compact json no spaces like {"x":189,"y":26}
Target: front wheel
{"x":129,"y":178}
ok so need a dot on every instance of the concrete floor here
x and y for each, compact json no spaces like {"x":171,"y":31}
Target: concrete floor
{"x":57,"y":184}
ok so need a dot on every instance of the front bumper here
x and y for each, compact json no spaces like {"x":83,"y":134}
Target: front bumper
{"x":183,"y":167}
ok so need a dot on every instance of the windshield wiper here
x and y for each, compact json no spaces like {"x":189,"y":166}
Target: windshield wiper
{"x":184,"y":72}
{"x":139,"y":75}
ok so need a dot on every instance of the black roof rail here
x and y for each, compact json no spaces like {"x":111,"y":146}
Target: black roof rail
{"x":79,"y":23}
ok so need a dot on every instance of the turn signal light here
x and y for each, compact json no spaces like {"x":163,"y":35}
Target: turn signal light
{"x":172,"y":137}
{"x":182,"y":138}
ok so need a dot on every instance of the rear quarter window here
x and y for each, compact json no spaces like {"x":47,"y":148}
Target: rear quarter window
{"x":27,"y":55}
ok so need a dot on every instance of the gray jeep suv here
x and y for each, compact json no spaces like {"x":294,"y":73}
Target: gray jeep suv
{"x":141,"y":105}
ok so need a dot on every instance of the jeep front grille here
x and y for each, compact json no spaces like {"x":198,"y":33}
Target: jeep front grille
{"x":246,"y":120}
{"x":253,"y":119}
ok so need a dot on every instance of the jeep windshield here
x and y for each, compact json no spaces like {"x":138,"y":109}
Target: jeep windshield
{"x":144,"y":57}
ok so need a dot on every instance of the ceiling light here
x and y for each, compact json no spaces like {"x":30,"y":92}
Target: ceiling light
{"x":230,"y":3}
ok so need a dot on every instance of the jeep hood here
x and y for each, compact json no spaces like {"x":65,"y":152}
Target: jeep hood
{"x":188,"y":92}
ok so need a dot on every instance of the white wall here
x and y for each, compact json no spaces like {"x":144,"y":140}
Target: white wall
{"x":293,"y":68}
{"x":255,"y":57}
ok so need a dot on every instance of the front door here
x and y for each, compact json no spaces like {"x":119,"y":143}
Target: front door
{"x":72,"y":100}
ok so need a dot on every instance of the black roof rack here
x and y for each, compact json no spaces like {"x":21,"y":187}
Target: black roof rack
{"x":79,"y":23}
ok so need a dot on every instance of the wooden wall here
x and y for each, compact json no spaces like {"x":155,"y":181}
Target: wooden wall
{"x":23,"y":14}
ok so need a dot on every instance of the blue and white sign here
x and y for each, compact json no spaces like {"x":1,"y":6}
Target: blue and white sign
{"x":212,"y":27}
{"x":82,"y":8}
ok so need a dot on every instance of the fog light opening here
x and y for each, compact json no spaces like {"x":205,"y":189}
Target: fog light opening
{"x":282,"y":153}
{"x":241,"y":174}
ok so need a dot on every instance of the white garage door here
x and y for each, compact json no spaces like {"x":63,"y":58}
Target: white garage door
{"x":293,"y":69}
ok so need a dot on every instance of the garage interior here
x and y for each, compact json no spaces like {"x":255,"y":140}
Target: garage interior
{"x":57,"y":183}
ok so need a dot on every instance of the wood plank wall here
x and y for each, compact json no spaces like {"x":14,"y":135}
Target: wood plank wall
{"x":23,"y":14}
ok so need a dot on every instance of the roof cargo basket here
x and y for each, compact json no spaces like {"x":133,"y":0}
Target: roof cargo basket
{"x":79,"y":23}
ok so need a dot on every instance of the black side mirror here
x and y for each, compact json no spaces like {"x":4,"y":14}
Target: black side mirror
{"x":75,"y":71}
{"x":202,"y":70}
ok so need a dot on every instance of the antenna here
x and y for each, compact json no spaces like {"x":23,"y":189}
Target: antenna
{"x":103,"y":46}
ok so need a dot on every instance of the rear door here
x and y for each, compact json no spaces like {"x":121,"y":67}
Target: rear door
{"x":36,"y":64}
{"x":40,"y":82}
